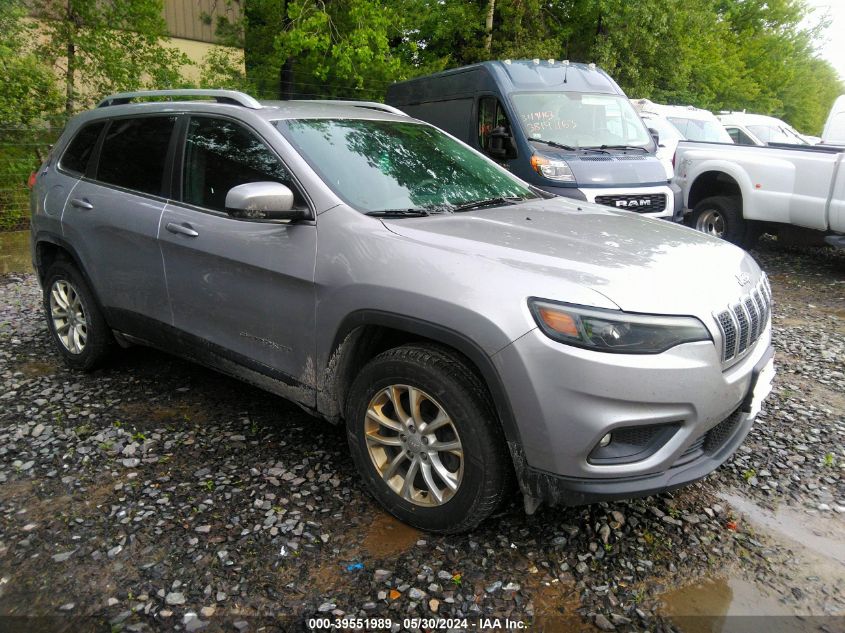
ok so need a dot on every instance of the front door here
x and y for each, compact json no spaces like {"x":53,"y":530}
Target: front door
{"x":241,"y":289}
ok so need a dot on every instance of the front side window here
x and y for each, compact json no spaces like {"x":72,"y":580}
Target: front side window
{"x":739,"y":137}
{"x":221,"y":154}
{"x":492,"y":117}
{"x":79,"y":151}
{"x":392,"y":165}
{"x":701,"y":130}
{"x":134,"y":153}
{"x":580,"y":119}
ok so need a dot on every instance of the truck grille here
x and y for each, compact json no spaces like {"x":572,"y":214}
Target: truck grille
{"x":744,"y":321}
{"x":642,"y":203}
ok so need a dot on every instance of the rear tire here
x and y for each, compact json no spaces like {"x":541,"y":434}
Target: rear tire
{"x":77,"y":326}
{"x":721,"y":216}
{"x":405,"y":459}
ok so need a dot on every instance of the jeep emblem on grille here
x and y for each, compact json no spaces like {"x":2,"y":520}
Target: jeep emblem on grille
{"x":744,"y":279}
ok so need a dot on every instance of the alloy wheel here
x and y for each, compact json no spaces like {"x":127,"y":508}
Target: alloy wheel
{"x":68,"y":314}
{"x":414,"y":445}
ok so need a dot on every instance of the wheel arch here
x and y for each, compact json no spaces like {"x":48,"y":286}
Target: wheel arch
{"x":50,"y":248}
{"x":713,"y":183}
{"x":365,"y":333}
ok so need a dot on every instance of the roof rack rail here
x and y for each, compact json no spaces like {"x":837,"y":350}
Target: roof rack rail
{"x":371,"y":105}
{"x":231,"y":97}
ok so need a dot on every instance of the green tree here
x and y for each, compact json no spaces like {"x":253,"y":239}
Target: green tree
{"x":100,"y":46}
{"x":29,"y":86}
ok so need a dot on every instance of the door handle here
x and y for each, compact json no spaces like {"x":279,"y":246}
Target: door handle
{"x":81,"y":204}
{"x":181,"y":229}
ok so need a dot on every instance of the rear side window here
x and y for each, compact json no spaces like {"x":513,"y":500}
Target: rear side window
{"x":219,"y":155}
{"x":134,"y":152}
{"x":80,"y":149}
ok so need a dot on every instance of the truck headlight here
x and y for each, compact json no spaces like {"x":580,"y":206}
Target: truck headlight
{"x":613,"y":330}
{"x":552,"y":169}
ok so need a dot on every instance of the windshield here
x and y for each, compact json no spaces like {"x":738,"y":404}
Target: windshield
{"x":391,"y":165}
{"x":775,"y":134}
{"x":701,"y":130}
{"x":580,"y":120}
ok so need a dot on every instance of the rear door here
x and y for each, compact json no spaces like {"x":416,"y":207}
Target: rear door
{"x":241,"y":289}
{"x":112,"y":216}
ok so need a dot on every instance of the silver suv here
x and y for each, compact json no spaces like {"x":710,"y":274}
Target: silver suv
{"x":467,"y":328}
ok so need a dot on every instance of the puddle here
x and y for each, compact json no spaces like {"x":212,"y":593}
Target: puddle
{"x":14,"y":252}
{"x":33,"y":368}
{"x":821,"y":535}
{"x":733,"y":604}
{"x":555,"y":607}
{"x":718,"y":605}
{"x":388,"y":536}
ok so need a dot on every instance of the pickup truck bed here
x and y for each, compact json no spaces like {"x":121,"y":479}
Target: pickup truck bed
{"x":740,"y":191}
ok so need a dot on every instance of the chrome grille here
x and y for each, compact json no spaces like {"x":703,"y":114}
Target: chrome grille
{"x":742,"y":323}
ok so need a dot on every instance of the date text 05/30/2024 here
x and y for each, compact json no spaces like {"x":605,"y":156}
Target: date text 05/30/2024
{"x":386,"y":624}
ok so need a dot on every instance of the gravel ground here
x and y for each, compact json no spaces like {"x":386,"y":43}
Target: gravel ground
{"x":156,"y":495}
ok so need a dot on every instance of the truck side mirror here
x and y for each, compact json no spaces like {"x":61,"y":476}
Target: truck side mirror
{"x":501,"y":144}
{"x":655,"y":135}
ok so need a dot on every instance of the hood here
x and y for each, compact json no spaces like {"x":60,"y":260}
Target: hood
{"x":614,"y":169}
{"x":640,"y":264}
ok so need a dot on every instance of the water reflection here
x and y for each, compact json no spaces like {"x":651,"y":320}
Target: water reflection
{"x":14,"y":252}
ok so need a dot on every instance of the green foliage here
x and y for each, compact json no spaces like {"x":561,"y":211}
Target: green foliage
{"x":224,"y":68}
{"x":716,"y":54}
{"x":29,"y":86}
{"x":103,"y":46}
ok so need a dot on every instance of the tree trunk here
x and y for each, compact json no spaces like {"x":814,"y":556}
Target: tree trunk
{"x":286,"y":80}
{"x":488,"y":30}
{"x":286,"y":70}
{"x":71,"y":61}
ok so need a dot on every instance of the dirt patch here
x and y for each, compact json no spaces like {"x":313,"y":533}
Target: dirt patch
{"x":387,"y":536}
{"x":556,"y":606}
{"x":34,"y":368}
{"x":179,"y":412}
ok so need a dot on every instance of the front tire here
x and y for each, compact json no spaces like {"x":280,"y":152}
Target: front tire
{"x":425,"y":439}
{"x":721,"y":216}
{"x":77,"y":327}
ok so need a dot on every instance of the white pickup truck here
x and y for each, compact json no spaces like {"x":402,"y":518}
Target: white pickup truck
{"x":739,"y":192}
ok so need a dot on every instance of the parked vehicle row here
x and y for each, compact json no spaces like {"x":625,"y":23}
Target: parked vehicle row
{"x":467,"y":327}
{"x":565,"y":128}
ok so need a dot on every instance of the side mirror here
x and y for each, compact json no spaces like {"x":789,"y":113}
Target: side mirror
{"x":262,"y":201}
{"x":500,"y":144}
{"x":655,"y":135}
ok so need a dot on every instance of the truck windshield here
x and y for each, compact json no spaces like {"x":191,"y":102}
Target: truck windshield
{"x":701,"y":130}
{"x":580,"y":119}
{"x":381,"y":166}
{"x":775,"y":134}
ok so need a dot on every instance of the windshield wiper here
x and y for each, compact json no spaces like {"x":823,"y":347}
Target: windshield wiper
{"x":569,"y":148}
{"x":399,"y":213}
{"x":553,"y":144}
{"x":624,"y":147}
{"x":475,"y":204}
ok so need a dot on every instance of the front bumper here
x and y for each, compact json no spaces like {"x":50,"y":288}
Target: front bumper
{"x":566,"y":399}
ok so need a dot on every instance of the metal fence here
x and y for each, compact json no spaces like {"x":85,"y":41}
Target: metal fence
{"x":21,"y":151}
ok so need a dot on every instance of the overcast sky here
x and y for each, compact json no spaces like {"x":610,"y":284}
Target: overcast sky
{"x":832,"y":46}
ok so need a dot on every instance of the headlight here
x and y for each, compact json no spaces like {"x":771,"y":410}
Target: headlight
{"x":613,"y":330}
{"x":552,"y":169}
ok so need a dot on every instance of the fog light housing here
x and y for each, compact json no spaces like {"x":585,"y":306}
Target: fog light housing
{"x":605,"y":440}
